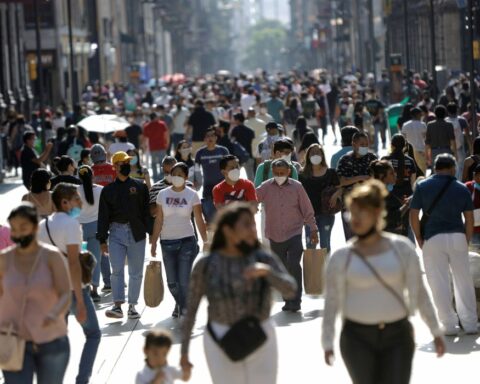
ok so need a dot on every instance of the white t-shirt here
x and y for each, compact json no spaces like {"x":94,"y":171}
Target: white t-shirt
{"x":147,"y":375}
{"x":117,"y":147}
{"x":89,"y":212}
{"x":177,"y":210}
{"x":179,"y":119}
{"x":415,"y":132}
{"x":457,"y":130}
{"x":65,"y":230}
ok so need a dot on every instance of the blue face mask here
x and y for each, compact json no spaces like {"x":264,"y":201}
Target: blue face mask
{"x":134,"y":161}
{"x":477,"y":186}
{"x":74,"y":212}
{"x":389,"y":187}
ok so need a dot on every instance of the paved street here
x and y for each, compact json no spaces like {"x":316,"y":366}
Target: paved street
{"x":300,"y":356}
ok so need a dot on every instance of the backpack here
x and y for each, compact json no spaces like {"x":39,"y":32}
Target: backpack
{"x":74,"y":151}
{"x":266,"y":169}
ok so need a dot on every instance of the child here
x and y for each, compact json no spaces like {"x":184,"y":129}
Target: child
{"x":156,"y":370}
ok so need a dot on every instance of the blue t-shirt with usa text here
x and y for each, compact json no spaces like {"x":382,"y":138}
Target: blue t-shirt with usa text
{"x":209,"y":161}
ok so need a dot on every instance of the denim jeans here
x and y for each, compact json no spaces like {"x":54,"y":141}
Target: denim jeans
{"x":92,"y":333}
{"x":178,"y":257}
{"x":93,"y":245}
{"x":325,"y":226}
{"x":122,"y":245}
{"x":157,"y":158}
{"x":47,"y":361}
{"x":208,"y":209}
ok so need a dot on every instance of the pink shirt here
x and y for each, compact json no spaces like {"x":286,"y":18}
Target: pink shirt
{"x":5,"y":240}
{"x":287,"y":209}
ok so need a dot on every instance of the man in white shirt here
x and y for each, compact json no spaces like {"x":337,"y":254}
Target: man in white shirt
{"x":179,"y":116}
{"x":63,"y":230}
{"x":415,"y":132}
{"x":121,"y":145}
{"x":460,"y":126}
{"x":258,"y":126}
{"x":247,"y":100}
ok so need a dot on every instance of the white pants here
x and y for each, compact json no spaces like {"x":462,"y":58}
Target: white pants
{"x":259,"y":367}
{"x":441,"y":253}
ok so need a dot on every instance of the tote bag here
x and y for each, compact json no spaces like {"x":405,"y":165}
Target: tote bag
{"x":153,"y":289}
{"x":313,"y":266}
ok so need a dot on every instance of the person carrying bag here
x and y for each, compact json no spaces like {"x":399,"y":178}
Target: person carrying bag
{"x":153,"y":290}
{"x":313,"y":269}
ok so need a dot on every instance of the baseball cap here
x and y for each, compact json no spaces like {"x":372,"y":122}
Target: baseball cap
{"x":98,"y":153}
{"x":120,"y":156}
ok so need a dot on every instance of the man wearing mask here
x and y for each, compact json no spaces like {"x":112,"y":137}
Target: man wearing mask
{"x":287,"y":210}
{"x":121,"y":143}
{"x":233,"y":188}
{"x":244,"y":136}
{"x":275,"y":107}
{"x":347,"y":133}
{"x":123,"y":219}
{"x":264,"y":148}
{"x":156,"y":131}
{"x":282,"y":149}
{"x":258,"y":127}
{"x":353,"y":168}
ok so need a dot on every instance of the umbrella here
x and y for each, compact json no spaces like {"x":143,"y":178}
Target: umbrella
{"x":104,"y":123}
{"x":393,"y":112}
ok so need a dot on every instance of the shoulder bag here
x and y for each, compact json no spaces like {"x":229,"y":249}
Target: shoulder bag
{"x":326,"y":196}
{"x":86,"y":258}
{"x":12,"y":346}
{"x":428,"y":212}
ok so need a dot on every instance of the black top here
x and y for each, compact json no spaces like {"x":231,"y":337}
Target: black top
{"x":350,"y":166}
{"x":439,"y":134}
{"x":200,"y":120}
{"x":225,"y":141}
{"x":28,"y":166}
{"x":403,"y":187}
{"x":124,"y":202}
{"x":64,"y":179}
{"x":315,"y":185}
{"x":244,"y":137}
{"x":133,"y":133}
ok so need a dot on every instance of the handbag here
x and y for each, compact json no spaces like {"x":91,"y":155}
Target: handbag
{"x":153,"y":290}
{"x":326,"y":196}
{"x":428,"y":212}
{"x":86,"y":258}
{"x":313,"y":267}
{"x":12,"y":346}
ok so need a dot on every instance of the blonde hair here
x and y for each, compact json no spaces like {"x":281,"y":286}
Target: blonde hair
{"x":369,"y":195}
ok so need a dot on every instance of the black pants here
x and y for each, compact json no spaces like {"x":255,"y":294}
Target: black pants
{"x":378,"y":356}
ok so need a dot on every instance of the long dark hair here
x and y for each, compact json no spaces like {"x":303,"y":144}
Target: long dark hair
{"x":398,"y":146}
{"x":307,"y":170}
{"x":228,"y":216}
{"x":86,"y":176}
{"x":301,"y":127}
{"x":309,"y":139}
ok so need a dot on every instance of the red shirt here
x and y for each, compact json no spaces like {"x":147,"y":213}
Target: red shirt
{"x":476,"y":198}
{"x":243,"y":190}
{"x":103,"y":174}
{"x":156,"y":132}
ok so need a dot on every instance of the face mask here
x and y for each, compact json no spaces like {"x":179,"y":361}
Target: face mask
{"x":234,"y":174}
{"x":477,"y":186}
{"x":287,"y":158}
{"x":389,"y":187}
{"x":125,"y":169}
{"x":280,"y":180}
{"x":274,"y":137}
{"x":185,"y":152}
{"x":247,"y":249}
{"x":178,"y":181}
{"x":362,"y":151}
{"x":134,"y":161}
{"x":168,"y":178}
{"x":74,"y":212}
{"x":316,"y":159}
{"x":23,"y":241}
{"x":263,"y":111}
{"x":369,"y":233}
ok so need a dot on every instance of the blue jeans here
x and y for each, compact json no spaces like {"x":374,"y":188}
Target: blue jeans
{"x":325,"y":226}
{"x":93,"y":245}
{"x":157,"y":158}
{"x":92,"y":333}
{"x":178,"y":257}
{"x":122,"y":245}
{"x":48,"y":361}
{"x":208,"y":209}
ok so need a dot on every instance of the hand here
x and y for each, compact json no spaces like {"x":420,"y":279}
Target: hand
{"x":439,"y":346}
{"x":81,"y":310}
{"x":186,"y":367}
{"x":104,"y":248}
{"x":329,"y":357}
{"x":153,"y":249}
{"x":333,"y":200}
{"x":49,"y":320}
{"x":159,"y":378}
{"x":314,"y":238}
{"x":256,"y":271}
{"x":49,"y":146}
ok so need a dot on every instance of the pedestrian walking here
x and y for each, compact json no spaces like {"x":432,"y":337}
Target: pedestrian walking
{"x":123,"y":220}
{"x":180,"y":115}
{"x":346,"y":133}
{"x":63,"y":230}
{"x":158,"y":136}
{"x":474,"y":189}
{"x":244,"y":136}
{"x":66,"y":169}
{"x":415,"y":131}
{"x":121,"y":143}
{"x":236,"y":278}
{"x":29,"y":158}
{"x":375,"y":284}
{"x":103,"y":172}
{"x":40,"y":195}
{"x":137,"y":171}
{"x":265,"y":148}
{"x":183,"y":154}
{"x":319,"y":180}
{"x":197,"y":125}
{"x":287,"y":210}
{"x":174,"y":227}
{"x":444,"y":240}
{"x":39,"y":271}
{"x":88,"y":218}
{"x":471,"y":162}
{"x":461,"y":131}
{"x":440,"y":136}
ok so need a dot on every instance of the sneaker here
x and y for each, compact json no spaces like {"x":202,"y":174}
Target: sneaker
{"x":286,"y":307}
{"x":176,"y":311}
{"x":107,"y":288}
{"x":132,"y":312}
{"x":115,"y":312}
{"x":95,"y":297}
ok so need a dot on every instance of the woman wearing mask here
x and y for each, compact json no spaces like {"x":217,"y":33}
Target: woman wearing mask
{"x":66,"y":170}
{"x":174,"y":227}
{"x":375,"y":282}
{"x":316,"y":177}
{"x":39,"y":194}
{"x":39,"y":271}
{"x":307,"y":141}
{"x":90,"y":196}
{"x":183,"y":154}
{"x":137,"y":171}
{"x":236,"y":279}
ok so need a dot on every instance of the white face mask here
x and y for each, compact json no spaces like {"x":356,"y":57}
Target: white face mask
{"x":287,"y":158}
{"x":362,"y":151}
{"x":280,"y":180}
{"x":234,"y":174}
{"x":178,"y":181}
{"x":168,"y":178}
{"x":185,"y":152}
{"x":316,"y":159}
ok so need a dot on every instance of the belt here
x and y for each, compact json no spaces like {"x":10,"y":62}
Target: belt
{"x":381,"y":325}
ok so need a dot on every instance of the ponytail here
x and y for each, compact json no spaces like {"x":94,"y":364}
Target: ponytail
{"x":86,"y":176}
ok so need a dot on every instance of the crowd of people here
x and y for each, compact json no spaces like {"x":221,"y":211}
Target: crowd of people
{"x":114,"y":195}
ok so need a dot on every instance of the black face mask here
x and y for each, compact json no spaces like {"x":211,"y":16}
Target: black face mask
{"x":125,"y":169}
{"x":369,"y":233}
{"x":247,"y":249}
{"x":23,"y":241}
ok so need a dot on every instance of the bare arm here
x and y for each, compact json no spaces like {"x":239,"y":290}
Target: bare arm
{"x":469,"y":225}
{"x":44,"y":156}
{"x":415,"y":224}
{"x":73,"y":252}
{"x":157,"y":228}
{"x":199,"y":220}
{"x":61,"y":282}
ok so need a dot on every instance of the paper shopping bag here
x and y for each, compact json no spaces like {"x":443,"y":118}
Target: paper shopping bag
{"x":153,"y":287}
{"x":313,"y":266}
